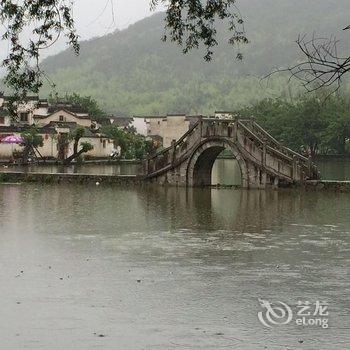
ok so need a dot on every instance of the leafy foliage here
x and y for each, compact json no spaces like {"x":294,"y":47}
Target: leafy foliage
{"x":32,"y":138}
{"x":86,"y":147}
{"x":76,"y":135}
{"x":84,"y":102}
{"x":133,"y":145}
{"x":191,"y":22}
{"x":47,"y":20}
{"x":309,"y":124}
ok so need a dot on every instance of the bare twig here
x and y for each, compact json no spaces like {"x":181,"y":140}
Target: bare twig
{"x":322,"y":66}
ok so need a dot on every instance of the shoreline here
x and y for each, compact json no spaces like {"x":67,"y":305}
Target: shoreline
{"x":11,"y":177}
{"x":90,"y":161}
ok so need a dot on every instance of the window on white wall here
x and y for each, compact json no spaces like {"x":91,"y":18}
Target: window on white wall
{"x":24,"y":117}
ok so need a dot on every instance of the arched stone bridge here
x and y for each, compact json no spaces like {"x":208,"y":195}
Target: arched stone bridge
{"x":262,"y":159}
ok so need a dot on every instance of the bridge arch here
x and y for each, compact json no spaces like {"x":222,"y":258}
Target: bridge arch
{"x":200,"y":164}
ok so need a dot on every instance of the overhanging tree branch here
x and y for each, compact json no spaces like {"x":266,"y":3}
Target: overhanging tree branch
{"x":321,"y":65}
{"x":46,"y":20}
{"x":190,"y":23}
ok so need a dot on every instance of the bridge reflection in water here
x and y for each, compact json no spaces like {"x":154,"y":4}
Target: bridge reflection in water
{"x":233,"y":210}
{"x":226,"y":172}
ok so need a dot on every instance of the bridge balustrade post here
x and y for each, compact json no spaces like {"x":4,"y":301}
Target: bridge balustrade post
{"x":173,"y":153}
{"x":295,"y":168}
{"x":146,"y":166}
{"x":215,"y":127}
{"x":235,"y":131}
{"x":309,"y":166}
{"x":263,"y":155}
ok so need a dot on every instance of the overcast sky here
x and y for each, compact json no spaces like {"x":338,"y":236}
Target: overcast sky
{"x":95,"y":17}
{"x":99,"y":17}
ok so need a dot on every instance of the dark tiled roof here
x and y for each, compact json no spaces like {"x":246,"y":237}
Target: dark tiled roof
{"x":73,"y":126}
{"x":176,"y":115}
{"x":43,"y":103}
{"x":61,"y":109}
{"x":148,"y":116}
{"x":66,"y":106}
{"x":122,"y":121}
{"x":160,"y":116}
{"x":53,"y":124}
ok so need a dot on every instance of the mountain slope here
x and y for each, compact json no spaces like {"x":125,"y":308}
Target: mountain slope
{"x":132,"y":71}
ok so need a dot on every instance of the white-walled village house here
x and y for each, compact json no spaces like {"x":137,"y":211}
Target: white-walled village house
{"x":51,"y":121}
{"x":164,"y":128}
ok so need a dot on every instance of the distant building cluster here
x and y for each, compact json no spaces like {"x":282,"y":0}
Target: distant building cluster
{"x":51,"y":121}
{"x":163,"y":129}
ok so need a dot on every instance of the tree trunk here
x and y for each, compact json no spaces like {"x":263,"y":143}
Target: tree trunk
{"x":68,"y":160}
{"x":26,"y":154}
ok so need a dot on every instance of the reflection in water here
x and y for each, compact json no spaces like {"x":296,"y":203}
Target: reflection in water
{"x":87,"y":168}
{"x":334,"y":170}
{"x":203,"y":258}
{"x":225,"y":171}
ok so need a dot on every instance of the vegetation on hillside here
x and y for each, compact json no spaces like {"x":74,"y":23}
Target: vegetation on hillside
{"x":133,"y":72}
{"x":187,"y":23}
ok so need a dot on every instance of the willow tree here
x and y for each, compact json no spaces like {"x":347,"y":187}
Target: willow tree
{"x":188,"y":23}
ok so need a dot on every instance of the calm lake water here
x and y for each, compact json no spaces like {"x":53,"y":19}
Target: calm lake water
{"x":225,"y":171}
{"x":104,"y":267}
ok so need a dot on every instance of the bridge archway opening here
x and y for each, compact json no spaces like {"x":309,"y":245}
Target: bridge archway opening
{"x":208,"y":170}
{"x":226,"y":170}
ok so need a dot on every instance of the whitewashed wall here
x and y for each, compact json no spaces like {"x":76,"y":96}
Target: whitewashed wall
{"x":49,"y":149}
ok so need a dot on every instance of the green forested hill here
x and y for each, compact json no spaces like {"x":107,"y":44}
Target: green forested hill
{"x":133,"y":72}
